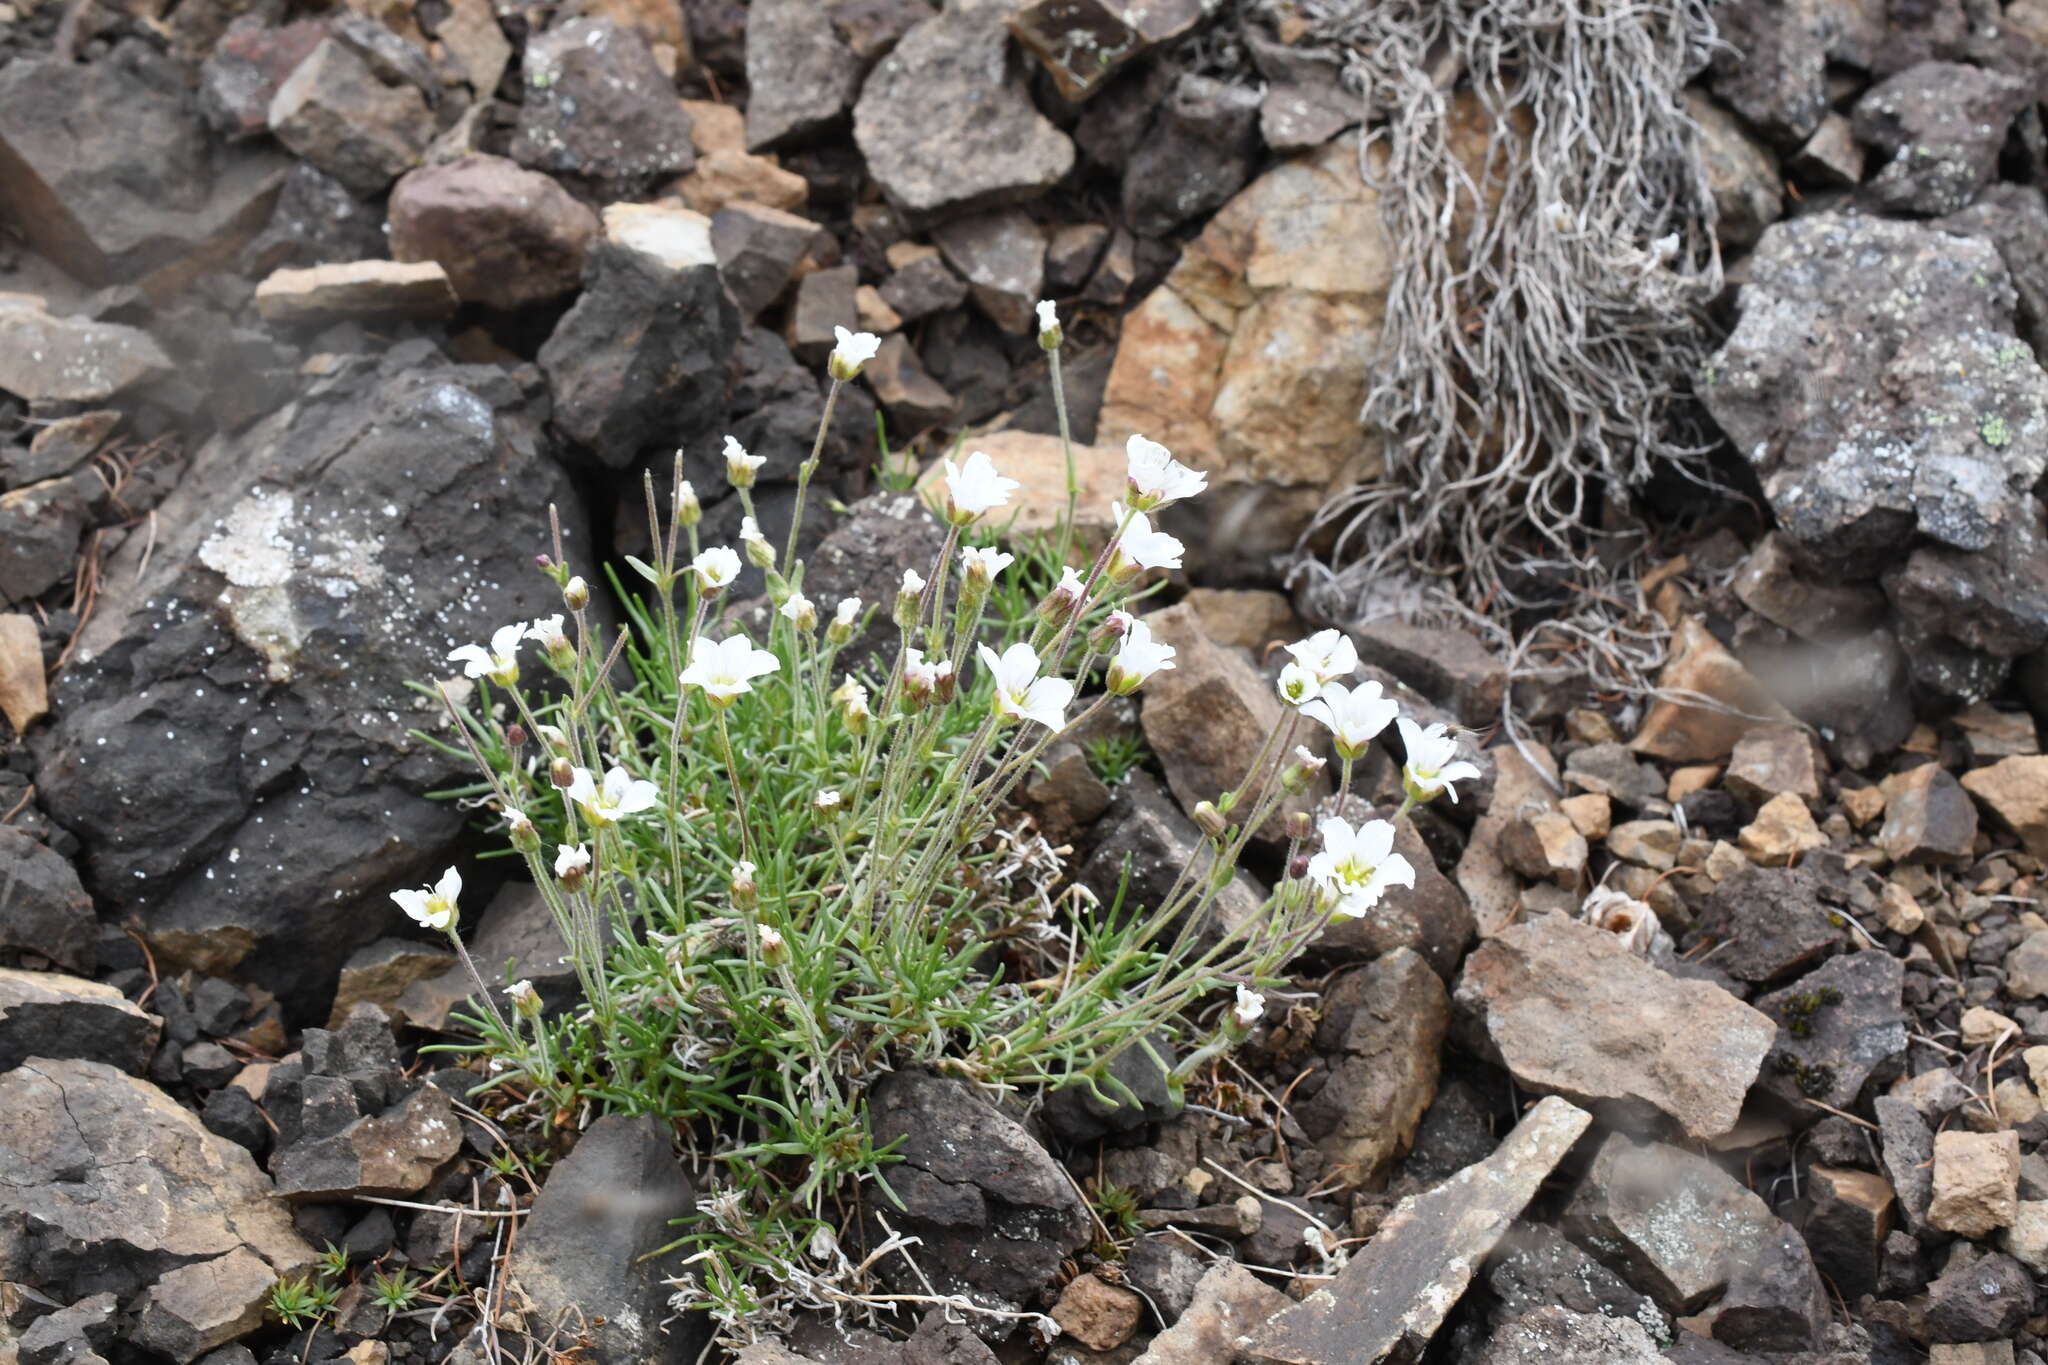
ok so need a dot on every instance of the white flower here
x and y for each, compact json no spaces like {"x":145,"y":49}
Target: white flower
{"x":547,"y":632}
{"x":1430,"y":768}
{"x":1352,"y":714}
{"x":826,"y":800}
{"x":913,"y":583}
{"x":980,"y":566}
{"x":726,"y":669}
{"x":1356,"y":866}
{"x":1140,"y":547}
{"x":1297,"y":685}
{"x":1250,"y":1007}
{"x":524,"y":998}
{"x":854,"y":350}
{"x":433,"y":906}
{"x":847,"y":612}
{"x":1328,"y":654}
{"x":1020,"y":693}
{"x":740,"y":467}
{"x":760,"y":553}
{"x":800,"y":612}
{"x":919,"y":677}
{"x":973,"y":487}
{"x":571,"y":858}
{"x":621,"y":795}
{"x":716,"y":567}
{"x":1138,"y":657}
{"x":1048,"y":324}
{"x":1156,"y":478}
{"x":772,"y":943}
{"x":499,"y":663}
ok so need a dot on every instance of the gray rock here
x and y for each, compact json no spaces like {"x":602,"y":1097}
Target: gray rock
{"x":1226,"y":1302}
{"x":1773,"y":583}
{"x":1144,"y":829}
{"x":599,"y":111}
{"x":1671,"y":1223}
{"x":43,"y":909}
{"x":579,"y":1255}
{"x":826,"y":300}
{"x":1773,"y":70}
{"x":393,"y":1154}
{"x":1908,"y":1146}
{"x":1568,"y":1009}
{"x":240,"y":76}
{"x":39,"y":530}
{"x":1075,"y":1113}
{"x":801,"y":77}
{"x":1984,"y":1300}
{"x":2014,"y":218}
{"x":1775,"y":1300}
{"x":915,"y":402}
{"x":126,"y":1194}
{"x":106,"y":169}
{"x":1942,"y":123}
{"x":642,"y":359}
{"x":1451,"y":667}
{"x":1836,"y":1026}
{"x":1846,"y":1226}
{"x":316,"y":221}
{"x":1383,"y":1029}
{"x":233,"y":741}
{"x":1552,"y":1334}
{"x":50,"y":359}
{"x":922,"y":286}
{"x":1200,"y":151}
{"x":1994,"y":602}
{"x":507,"y":236}
{"x":995,"y":1212}
{"x":1395,"y":1291}
{"x":45,"y":1014}
{"x":71,"y":1335}
{"x":1742,"y":173}
{"x":1609,"y":769}
{"x":335,"y":112}
{"x":1769,"y":924}
{"x":1001,"y":255}
{"x":760,"y":250}
{"x":1874,"y":382}
{"x":946,"y":121}
{"x":1537,"y":1267}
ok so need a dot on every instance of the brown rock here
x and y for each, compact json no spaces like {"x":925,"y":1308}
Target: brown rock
{"x":1693,"y":777}
{"x":1249,"y":618}
{"x":58,"y":448}
{"x":1591,"y":814}
{"x":716,"y":127}
{"x":1976,"y":1182}
{"x":1862,"y":804}
{"x":1396,"y":1291}
{"x":913,"y":399}
{"x":1773,"y":760}
{"x":872,"y":313}
{"x":506,"y":236}
{"x":1228,"y":1302}
{"x":1569,"y":1009}
{"x":1928,"y":818}
{"x":1099,"y":1315}
{"x":357,"y":289}
{"x":394,"y":1153}
{"x":760,"y":250}
{"x":729,"y":176}
{"x":1383,"y":1027}
{"x":824,"y":302}
{"x":1782,"y":833}
{"x":1682,"y":733}
{"x":2026,"y":967}
{"x":1545,"y":846}
{"x":1850,"y":1216}
{"x":1646,"y":843}
{"x":472,"y":37}
{"x":1519,"y":790}
{"x":24,"y":697}
{"x":1992,"y":734}
{"x":1038,"y":464}
{"x":381,"y":973}
{"x":1208,"y":717}
{"x":2015,"y":792}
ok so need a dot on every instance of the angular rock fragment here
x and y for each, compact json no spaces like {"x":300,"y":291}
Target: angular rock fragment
{"x":46,"y":1014}
{"x":2015,"y":792}
{"x":44,"y":358}
{"x":1635,"y":1195}
{"x":39,"y":530}
{"x":43,"y":908}
{"x":1942,"y":123}
{"x":506,"y":236}
{"x":801,"y":78}
{"x":1569,"y":1009}
{"x":1928,"y":817}
{"x":642,"y":358}
{"x":1836,"y":1026}
{"x":1768,"y":924}
{"x":335,"y":111}
{"x":761,"y":250}
{"x":1001,"y":255}
{"x":1976,"y":1182}
{"x":1555,"y":1334}
{"x":1199,"y":151}
{"x":358,"y":289}
{"x":599,"y":109}
{"x":1384,"y":1027}
{"x":1392,"y":1296}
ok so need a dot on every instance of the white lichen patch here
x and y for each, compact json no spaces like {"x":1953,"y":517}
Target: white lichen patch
{"x":261,"y":549}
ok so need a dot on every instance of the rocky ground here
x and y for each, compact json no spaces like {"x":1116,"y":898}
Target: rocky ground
{"x":1715,"y":1028}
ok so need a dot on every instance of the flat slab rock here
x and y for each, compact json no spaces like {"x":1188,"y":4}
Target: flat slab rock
{"x":1569,"y":1010}
{"x":1394,"y":1294}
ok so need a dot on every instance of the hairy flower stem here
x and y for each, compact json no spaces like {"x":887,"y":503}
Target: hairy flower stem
{"x":739,"y":787}
{"x":804,"y":472}
{"x":483,"y":987}
{"x":1059,"y":407}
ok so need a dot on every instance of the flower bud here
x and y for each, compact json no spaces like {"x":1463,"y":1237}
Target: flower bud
{"x":554,"y":739}
{"x":909,"y":599}
{"x":1300,"y":825}
{"x":826,"y":802}
{"x":1064,"y":599}
{"x":744,"y":892}
{"x":943,"y":681}
{"x":515,"y":736}
{"x":576,"y":594}
{"x":1049,"y":333}
{"x":525,"y":837}
{"x":562,"y":772}
{"x":1299,"y":775}
{"x":524,"y":998}
{"x":1113,"y":628}
{"x":741,"y":467}
{"x":800,"y":612}
{"x":1210,"y":820}
{"x":688,"y":510}
{"x":843,"y":618}
{"x":856,"y":715}
{"x":774,"y":950}
{"x":1297,"y":866}
{"x":572,"y":861}
{"x":760,"y":553}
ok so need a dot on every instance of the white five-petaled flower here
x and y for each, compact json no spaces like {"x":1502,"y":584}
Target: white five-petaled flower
{"x":980,"y":566}
{"x":1353,"y":715}
{"x":572,"y":858}
{"x":1297,"y":685}
{"x":1356,"y":865}
{"x":499,"y":663}
{"x":621,"y":795}
{"x":740,"y":467}
{"x":726,"y":669}
{"x":1249,"y":1007}
{"x":716,"y":567}
{"x":1329,"y":654}
{"x":1433,"y":763}
{"x":433,"y":906}
{"x":1155,"y":477}
{"x":854,"y":349}
{"x":547,"y":632}
{"x":799,"y":611}
{"x":973,"y":487}
{"x":1048,"y":324}
{"x":1020,"y":693}
{"x":847,"y":612}
{"x":826,"y":800}
{"x":1138,"y":657}
{"x":1140,"y":547}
